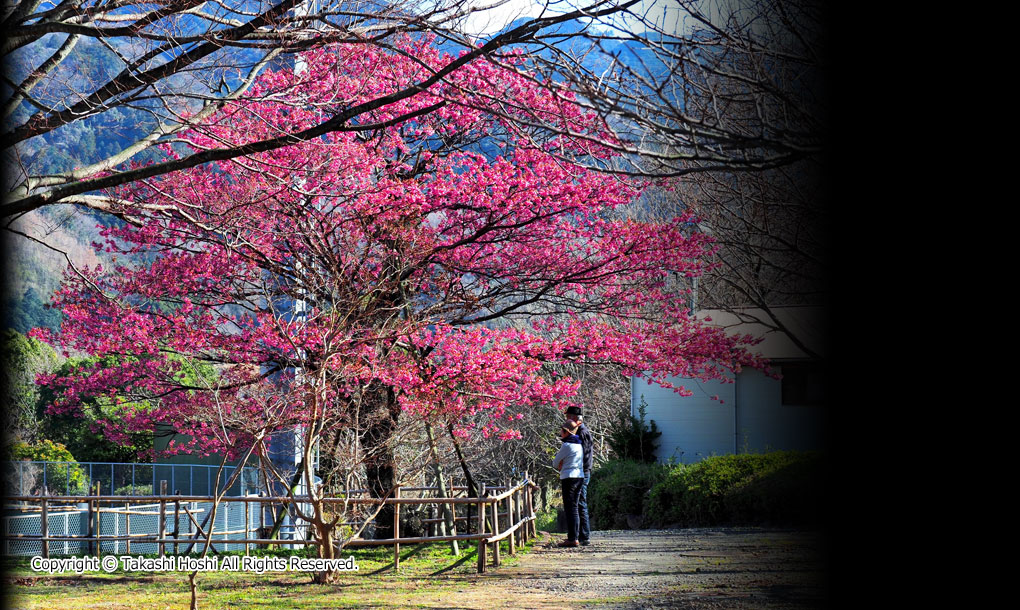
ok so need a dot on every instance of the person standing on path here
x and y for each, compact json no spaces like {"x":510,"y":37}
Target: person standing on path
{"x":569,"y":461}
{"x":575,"y":415}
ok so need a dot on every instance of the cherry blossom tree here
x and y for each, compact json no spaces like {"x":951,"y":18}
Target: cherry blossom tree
{"x":430,"y":263}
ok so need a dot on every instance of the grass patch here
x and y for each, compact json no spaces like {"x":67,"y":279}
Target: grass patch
{"x":427,"y":573}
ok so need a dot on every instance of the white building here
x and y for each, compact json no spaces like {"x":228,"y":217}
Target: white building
{"x":755,"y":413}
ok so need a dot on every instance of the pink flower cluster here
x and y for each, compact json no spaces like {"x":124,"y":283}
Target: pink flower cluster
{"x":446,"y":255}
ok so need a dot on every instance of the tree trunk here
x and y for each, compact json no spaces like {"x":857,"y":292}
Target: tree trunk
{"x":448,"y":521}
{"x":327,"y":550}
{"x":379,"y":459}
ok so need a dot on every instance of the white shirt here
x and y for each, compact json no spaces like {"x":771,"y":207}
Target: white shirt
{"x":570,"y":460}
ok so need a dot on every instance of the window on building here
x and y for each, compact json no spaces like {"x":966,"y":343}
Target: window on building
{"x":803,"y":384}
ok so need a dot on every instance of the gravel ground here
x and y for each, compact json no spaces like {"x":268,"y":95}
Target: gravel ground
{"x":724,"y":568}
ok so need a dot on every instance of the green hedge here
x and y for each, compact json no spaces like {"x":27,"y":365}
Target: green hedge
{"x":69,"y":479}
{"x":619,"y":488}
{"x":779,"y":488}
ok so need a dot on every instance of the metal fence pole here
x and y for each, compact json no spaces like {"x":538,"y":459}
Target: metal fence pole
{"x":127,"y":516}
{"x":99,"y":519}
{"x":116,"y":533}
{"x":89,"y":530}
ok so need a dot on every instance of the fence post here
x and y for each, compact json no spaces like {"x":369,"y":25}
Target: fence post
{"x":481,"y":528}
{"x":44,"y":527}
{"x":530,"y":510}
{"x":247,"y":521}
{"x":522,"y":502}
{"x":510,"y":517}
{"x":177,"y":522}
{"x":226,"y":523}
{"x":127,"y":516}
{"x":496,"y":531}
{"x":396,"y":529}
{"x":162,"y":517}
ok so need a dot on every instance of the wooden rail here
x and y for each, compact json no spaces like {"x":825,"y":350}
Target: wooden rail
{"x":502,"y":512}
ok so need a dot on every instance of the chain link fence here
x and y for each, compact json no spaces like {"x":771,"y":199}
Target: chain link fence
{"x":70,"y":519}
{"x":28,"y":478}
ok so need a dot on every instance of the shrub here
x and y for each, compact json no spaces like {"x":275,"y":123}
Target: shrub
{"x":618,"y":488}
{"x":789,"y":492}
{"x":137,"y":490}
{"x":631,"y":438}
{"x":778,"y":487}
{"x":60,"y":479}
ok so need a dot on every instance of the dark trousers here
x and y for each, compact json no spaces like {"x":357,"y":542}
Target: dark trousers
{"x":571,"y":494}
{"x":583,"y":527}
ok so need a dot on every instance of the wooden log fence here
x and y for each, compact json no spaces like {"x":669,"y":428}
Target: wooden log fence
{"x":502,"y":512}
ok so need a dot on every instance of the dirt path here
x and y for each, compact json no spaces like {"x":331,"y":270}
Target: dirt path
{"x":731,"y":569}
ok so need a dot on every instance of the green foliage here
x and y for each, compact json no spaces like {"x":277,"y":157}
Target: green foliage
{"x":631,"y":438}
{"x":137,"y":490}
{"x":43,"y":451}
{"x":618,"y":488}
{"x":82,"y":432}
{"x":23,"y":359}
{"x":773,"y":488}
{"x":547,"y":521}
{"x":60,"y":479}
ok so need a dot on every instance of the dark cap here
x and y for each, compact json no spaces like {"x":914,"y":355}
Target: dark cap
{"x":574,"y":411}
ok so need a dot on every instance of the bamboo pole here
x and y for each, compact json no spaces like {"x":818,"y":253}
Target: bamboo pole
{"x":531,"y":511}
{"x":495,"y":530}
{"x":511,"y":522}
{"x":247,"y":521}
{"x":524,"y":505}
{"x":481,"y":529}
